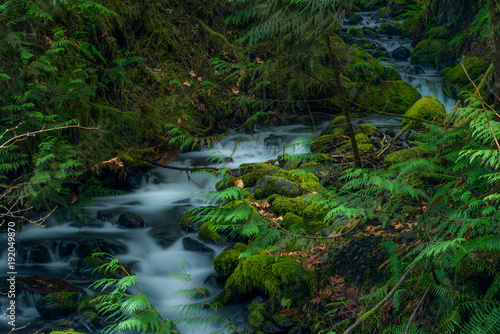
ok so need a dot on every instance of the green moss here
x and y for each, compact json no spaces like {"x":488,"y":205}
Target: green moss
{"x":292,"y":219}
{"x":313,"y":212}
{"x":280,"y":277}
{"x":307,"y":182}
{"x":209,"y":234}
{"x":188,"y":222}
{"x":432,"y":52}
{"x":366,"y":147}
{"x":282,"y":205}
{"x":226,"y":262}
{"x":390,"y":96}
{"x":405,"y":155}
{"x":69,"y":331}
{"x":368,"y":46}
{"x":257,"y":316}
{"x":456,"y":78}
{"x":269,"y":185}
{"x":261,"y":166}
{"x":384,"y":12}
{"x":64,"y":301}
{"x":427,"y":108}
{"x":356,"y":32}
{"x":388,"y":73}
{"x":251,"y":178}
{"x":361,"y":138}
{"x":441,"y":32}
{"x":133,"y":159}
{"x":368,"y":129}
{"x":239,"y":246}
{"x":327,"y":143}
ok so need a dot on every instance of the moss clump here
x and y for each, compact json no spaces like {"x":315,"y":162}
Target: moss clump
{"x":366,"y":147}
{"x":135,"y":158}
{"x":390,"y":96}
{"x":57,"y":304}
{"x":269,"y":185}
{"x":69,"y":331}
{"x":239,"y":246}
{"x":388,"y":73}
{"x":226,"y":262}
{"x":432,"y":52}
{"x":314,"y":212}
{"x":282,"y":205}
{"x":280,"y":278}
{"x":307,"y":182}
{"x":327,"y":143}
{"x":405,"y":155}
{"x":261,"y":166}
{"x":251,"y":178}
{"x":259,"y":311}
{"x":188,"y":223}
{"x":368,"y":46}
{"x":427,"y":108}
{"x":368,"y":129}
{"x":384,"y":13}
{"x":209,"y":234}
{"x":292,"y":219}
{"x":356,"y":32}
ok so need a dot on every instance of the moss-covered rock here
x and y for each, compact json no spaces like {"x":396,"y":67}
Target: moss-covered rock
{"x":366,"y":147}
{"x":432,"y":52}
{"x":427,"y":108}
{"x":356,"y":32}
{"x":455,"y":78}
{"x":209,"y":234}
{"x":280,"y":277}
{"x":388,"y":29}
{"x":189,"y":223}
{"x":384,"y":13}
{"x":292,"y":219}
{"x":307,"y":182}
{"x":69,"y":331}
{"x":368,"y":129}
{"x":333,"y":128}
{"x":269,"y":185}
{"x":405,"y":155}
{"x":441,"y":32}
{"x":391,"y":96}
{"x":226,"y":262}
{"x":58,"y":304}
{"x":389,"y":73}
{"x":262,"y":166}
{"x":224,"y":184}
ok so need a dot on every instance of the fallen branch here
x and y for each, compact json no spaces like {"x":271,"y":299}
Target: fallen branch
{"x":383,"y":301}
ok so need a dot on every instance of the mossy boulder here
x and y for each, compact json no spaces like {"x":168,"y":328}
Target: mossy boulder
{"x":391,"y":96}
{"x":388,"y":29}
{"x":189,"y":223}
{"x":356,"y":32}
{"x":278,"y":277}
{"x":333,"y":128}
{"x":58,"y":304}
{"x":269,"y":185}
{"x":226,"y":262}
{"x":368,"y":129}
{"x":432,"y":52}
{"x":455,"y":78}
{"x":258,"y":171}
{"x":291,"y":219}
{"x":405,"y":155}
{"x":262,"y":166}
{"x":208,"y":233}
{"x":441,"y":32}
{"x":388,"y":73}
{"x":384,"y":13}
{"x":307,"y":182}
{"x":427,"y":108}
{"x":226,"y":183}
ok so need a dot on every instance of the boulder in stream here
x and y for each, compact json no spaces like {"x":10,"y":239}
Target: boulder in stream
{"x":130,"y":220}
{"x":433,"y":52}
{"x":268,"y":185}
{"x":194,"y":245}
{"x":427,"y":108}
{"x":58,"y":304}
{"x":401,"y":53}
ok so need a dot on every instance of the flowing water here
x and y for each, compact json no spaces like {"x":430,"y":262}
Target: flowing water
{"x":155,"y":252}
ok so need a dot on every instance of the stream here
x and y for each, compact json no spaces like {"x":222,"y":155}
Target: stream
{"x":156,"y":251}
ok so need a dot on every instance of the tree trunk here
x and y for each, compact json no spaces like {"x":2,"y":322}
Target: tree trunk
{"x":494,"y":11}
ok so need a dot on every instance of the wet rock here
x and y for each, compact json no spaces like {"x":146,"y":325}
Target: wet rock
{"x":88,"y":246}
{"x":58,"y":304}
{"x":130,"y":220}
{"x":103,"y":216}
{"x":415,"y":69}
{"x":41,"y":284}
{"x":35,"y":251}
{"x":272,"y":141}
{"x":66,"y":248}
{"x":388,"y":29}
{"x":370,"y":33}
{"x":383,"y":13}
{"x":401,"y":53}
{"x":409,"y":237}
{"x":133,"y":181}
{"x":356,"y":32}
{"x":194,"y":245}
{"x":433,"y":52}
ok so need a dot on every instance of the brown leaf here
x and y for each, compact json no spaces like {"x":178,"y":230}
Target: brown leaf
{"x":192,"y":74}
{"x":239,"y":183}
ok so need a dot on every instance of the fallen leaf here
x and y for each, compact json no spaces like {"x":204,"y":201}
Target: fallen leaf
{"x":239,"y":183}
{"x":192,"y":73}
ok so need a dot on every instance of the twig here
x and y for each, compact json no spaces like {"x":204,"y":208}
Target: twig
{"x":415,"y":311}
{"x":383,"y":301}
